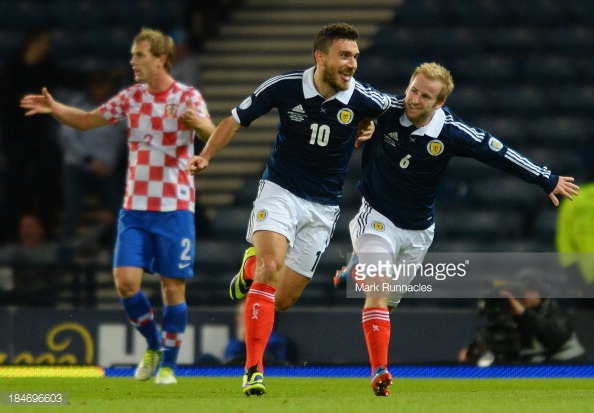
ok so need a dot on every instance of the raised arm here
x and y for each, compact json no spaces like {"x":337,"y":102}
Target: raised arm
{"x":68,"y":115}
{"x":220,"y":138}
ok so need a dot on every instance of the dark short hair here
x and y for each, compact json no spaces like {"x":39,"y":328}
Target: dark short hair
{"x":334,"y":31}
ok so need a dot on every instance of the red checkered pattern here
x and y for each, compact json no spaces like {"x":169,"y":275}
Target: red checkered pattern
{"x":159,"y":146}
{"x":143,"y":319}
{"x":169,"y":339}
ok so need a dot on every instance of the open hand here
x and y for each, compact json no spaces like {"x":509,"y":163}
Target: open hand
{"x":564,"y":187}
{"x":38,"y":104}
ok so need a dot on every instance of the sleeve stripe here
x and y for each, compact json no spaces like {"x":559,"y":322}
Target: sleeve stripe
{"x":375,"y":95}
{"x":470,"y":131}
{"x":525,"y":163}
{"x":510,"y":154}
{"x":277,"y":79}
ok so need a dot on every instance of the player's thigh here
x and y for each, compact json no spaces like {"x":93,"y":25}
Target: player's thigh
{"x":271,"y":249}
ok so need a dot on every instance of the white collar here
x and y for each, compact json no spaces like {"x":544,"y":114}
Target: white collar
{"x":310,"y":91}
{"x":432,"y":129}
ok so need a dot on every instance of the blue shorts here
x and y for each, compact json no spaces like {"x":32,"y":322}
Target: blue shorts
{"x":161,"y":242}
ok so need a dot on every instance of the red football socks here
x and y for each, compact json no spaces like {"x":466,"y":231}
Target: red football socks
{"x":259,"y":320}
{"x":376,"y":327}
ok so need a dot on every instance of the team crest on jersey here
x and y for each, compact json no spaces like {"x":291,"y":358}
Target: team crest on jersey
{"x":435,"y":147}
{"x":378,"y":226}
{"x":262,"y":215}
{"x":345,"y":116}
{"x":170,"y":110}
{"x":246,"y":103}
{"x":495,"y":145}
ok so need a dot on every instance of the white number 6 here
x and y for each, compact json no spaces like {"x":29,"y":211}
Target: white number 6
{"x":404,"y":162}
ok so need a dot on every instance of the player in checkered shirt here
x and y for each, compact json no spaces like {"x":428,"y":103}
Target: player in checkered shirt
{"x":156,"y":231}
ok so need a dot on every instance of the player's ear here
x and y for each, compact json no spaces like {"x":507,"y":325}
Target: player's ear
{"x":319,"y":57}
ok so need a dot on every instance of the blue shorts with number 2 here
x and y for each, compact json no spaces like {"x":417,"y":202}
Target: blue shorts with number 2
{"x":161,"y":242}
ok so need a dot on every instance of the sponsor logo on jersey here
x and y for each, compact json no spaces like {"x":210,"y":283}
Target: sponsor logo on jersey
{"x":435,"y":147}
{"x":170,"y":110}
{"x":345,"y":116}
{"x":246,"y":103}
{"x":297,"y":114}
{"x":495,"y":144}
{"x":262,"y":215}
{"x":392,"y":139}
{"x":378,"y":226}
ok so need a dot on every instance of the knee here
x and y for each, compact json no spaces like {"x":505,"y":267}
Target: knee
{"x":173,"y":291}
{"x":283,"y":303}
{"x":126,"y":289}
{"x":268,"y":268}
{"x":127,"y":280}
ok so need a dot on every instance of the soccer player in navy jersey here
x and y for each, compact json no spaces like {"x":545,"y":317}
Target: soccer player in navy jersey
{"x":296,"y":207}
{"x":156,"y":231}
{"x":402,"y":167}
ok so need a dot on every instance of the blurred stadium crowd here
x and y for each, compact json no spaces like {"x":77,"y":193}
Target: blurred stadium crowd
{"x":523,"y":70}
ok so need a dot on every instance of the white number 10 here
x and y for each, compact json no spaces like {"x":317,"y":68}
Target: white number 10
{"x":320,"y":134}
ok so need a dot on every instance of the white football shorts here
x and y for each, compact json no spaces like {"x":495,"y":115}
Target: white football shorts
{"x":308,"y":226}
{"x":396,"y":247}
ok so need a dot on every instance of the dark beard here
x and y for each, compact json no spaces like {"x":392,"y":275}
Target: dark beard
{"x":330,"y":80}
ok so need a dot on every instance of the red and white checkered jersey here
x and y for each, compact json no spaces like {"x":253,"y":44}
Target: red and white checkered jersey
{"x":159,"y":145}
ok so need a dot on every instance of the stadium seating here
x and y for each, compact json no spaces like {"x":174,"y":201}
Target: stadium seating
{"x":82,"y":15}
{"x":523,"y":71}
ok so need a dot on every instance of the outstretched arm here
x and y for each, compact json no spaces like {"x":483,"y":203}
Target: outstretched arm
{"x":565,"y":187}
{"x":68,"y":115}
{"x":220,"y":138}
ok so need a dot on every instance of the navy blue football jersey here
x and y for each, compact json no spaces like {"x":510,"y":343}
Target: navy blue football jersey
{"x":403,"y":165}
{"x":316,"y":137}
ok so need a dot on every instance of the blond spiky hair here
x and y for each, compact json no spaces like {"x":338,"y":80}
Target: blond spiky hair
{"x":435,"y":71}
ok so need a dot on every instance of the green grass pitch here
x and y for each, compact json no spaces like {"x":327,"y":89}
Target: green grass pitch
{"x":308,"y":395}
